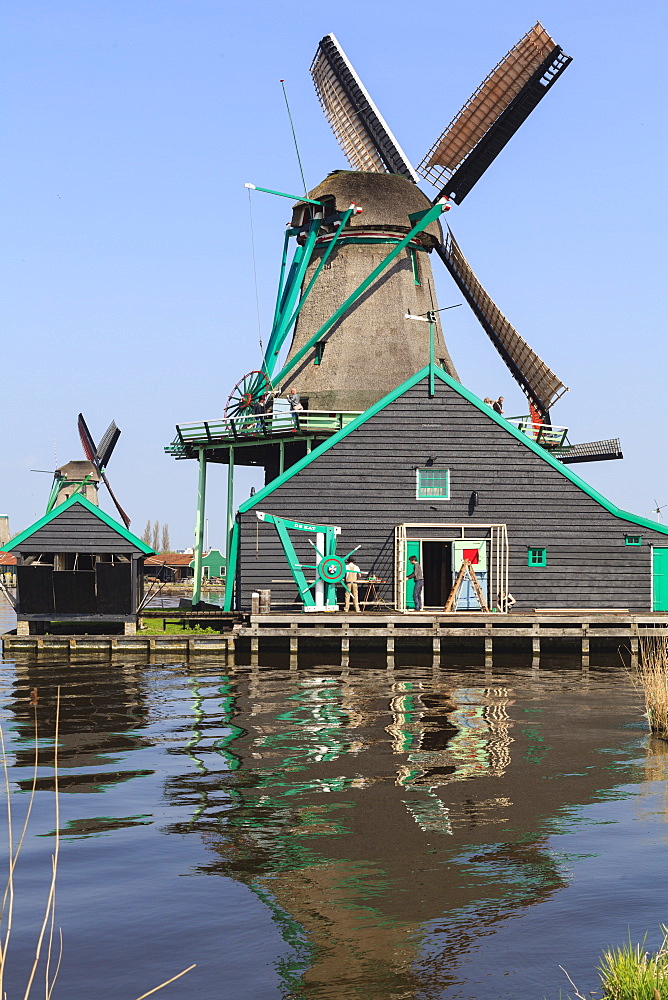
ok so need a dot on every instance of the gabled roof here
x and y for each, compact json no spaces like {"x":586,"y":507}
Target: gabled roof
{"x":438,"y":373}
{"x":78,"y":498}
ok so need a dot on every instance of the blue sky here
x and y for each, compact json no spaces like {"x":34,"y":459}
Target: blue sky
{"x":130,"y":129}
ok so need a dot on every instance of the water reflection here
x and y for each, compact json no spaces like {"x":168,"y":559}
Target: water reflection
{"x":388,"y":821}
{"x":378,"y":816}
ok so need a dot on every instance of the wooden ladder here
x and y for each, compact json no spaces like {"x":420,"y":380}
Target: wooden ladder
{"x":466,"y":569}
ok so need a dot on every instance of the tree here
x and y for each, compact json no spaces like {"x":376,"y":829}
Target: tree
{"x":146,"y":537}
{"x":165,"y":538}
{"x":155,"y":544}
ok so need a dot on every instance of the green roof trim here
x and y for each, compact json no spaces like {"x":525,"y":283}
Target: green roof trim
{"x":487,"y":410}
{"x":120,"y":529}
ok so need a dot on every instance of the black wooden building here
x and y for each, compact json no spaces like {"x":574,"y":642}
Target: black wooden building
{"x":443,"y":477}
{"x":77,"y":564}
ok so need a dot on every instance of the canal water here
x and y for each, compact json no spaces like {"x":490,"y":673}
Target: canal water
{"x":331,"y":833}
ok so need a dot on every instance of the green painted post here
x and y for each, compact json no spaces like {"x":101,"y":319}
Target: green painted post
{"x":231,"y":576}
{"x":199,"y":527}
{"x":229,"y":523}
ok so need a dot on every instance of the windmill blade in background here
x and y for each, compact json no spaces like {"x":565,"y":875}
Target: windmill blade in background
{"x":355,"y":120}
{"x":107,"y":444}
{"x":493,"y":113}
{"x":124,"y":517}
{"x":100,"y":456}
{"x":86,"y":439}
{"x":538,"y":382}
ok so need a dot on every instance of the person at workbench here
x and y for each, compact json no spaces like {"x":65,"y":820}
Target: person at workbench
{"x":352,"y":572}
{"x":418,"y":576}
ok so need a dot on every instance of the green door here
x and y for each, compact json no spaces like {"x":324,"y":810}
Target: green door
{"x":660,"y":579}
{"x":413,"y":548}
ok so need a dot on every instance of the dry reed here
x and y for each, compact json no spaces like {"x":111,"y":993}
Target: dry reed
{"x":651,"y":677}
{"x":47,"y":924}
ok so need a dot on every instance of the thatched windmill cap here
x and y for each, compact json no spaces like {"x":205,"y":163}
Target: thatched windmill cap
{"x":386,"y":201}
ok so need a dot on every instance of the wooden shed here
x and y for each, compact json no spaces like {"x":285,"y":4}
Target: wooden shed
{"x":77,"y":564}
{"x":432,"y":471}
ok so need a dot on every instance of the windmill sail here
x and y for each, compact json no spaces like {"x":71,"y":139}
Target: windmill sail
{"x":355,"y":120}
{"x":493,"y":113}
{"x":540,"y":384}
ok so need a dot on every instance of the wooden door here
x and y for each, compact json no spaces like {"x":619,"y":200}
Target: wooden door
{"x":413,"y":548}
{"x":475,"y":550}
{"x":660,"y":579}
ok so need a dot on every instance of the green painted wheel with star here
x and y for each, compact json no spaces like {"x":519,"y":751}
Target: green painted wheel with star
{"x":332,"y":569}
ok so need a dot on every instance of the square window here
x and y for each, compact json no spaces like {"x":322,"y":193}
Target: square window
{"x":633,"y":539}
{"x":536,"y":557}
{"x":433,"y":484}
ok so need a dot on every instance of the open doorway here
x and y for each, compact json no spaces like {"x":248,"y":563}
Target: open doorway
{"x":437,"y":568}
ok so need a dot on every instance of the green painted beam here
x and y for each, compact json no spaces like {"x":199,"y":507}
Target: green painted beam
{"x":282,"y":194}
{"x":426,"y":218}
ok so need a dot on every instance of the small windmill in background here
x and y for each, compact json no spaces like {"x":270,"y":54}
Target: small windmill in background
{"x":657,"y":510}
{"x":85,"y":476}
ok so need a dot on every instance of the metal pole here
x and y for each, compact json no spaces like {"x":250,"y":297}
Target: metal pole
{"x":281,"y":457}
{"x":199,"y":527}
{"x":319,"y":583}
{"x":432,"y":319}
{"x":230,"y":505}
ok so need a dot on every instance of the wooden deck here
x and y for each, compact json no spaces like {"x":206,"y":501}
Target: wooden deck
{"x":386,"y":633}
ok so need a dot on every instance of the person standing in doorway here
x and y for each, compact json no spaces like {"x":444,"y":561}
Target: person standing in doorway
{"x":352,"y":572}
{"x":418,"y":576}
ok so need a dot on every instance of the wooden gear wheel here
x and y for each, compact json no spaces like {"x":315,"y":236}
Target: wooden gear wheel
{"x":245,"y":394}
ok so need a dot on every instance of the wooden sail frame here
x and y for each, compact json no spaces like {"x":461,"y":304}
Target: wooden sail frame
{"x":359,"y":127}
{"x":493,"y":113}
{"x":538,"y":381}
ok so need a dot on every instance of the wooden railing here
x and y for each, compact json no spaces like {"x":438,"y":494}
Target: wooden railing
{"x":261,"y":425}
{"x":547,"y":435}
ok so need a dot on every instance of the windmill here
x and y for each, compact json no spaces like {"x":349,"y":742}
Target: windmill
{"x":657,"y":510}
{"x":349,"y":342}
{"x":84,"y":476}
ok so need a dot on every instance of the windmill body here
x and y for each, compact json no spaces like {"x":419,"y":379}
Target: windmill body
{"x":76,"y":477}
{"x":372,"y":348}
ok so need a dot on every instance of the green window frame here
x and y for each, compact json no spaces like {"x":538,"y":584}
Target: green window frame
{"x":536,"y":556}
{"x":432,"y":484}
{"x":633,"y":539}
{"x":319,"y":351}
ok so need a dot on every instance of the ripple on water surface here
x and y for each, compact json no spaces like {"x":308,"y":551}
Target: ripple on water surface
{"x":333,"y":833}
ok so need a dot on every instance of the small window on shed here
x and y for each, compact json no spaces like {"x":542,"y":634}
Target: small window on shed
{"x":433,"y":484}
{"x":536,"y":557}
{"x":633,"y":539}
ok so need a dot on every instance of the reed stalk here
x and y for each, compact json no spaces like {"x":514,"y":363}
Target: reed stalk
{"x":44,"y":947}
{"x":651,"y":677}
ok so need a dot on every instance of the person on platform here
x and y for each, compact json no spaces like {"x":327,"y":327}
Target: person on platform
{"x":418,"y":576}
{"x":294,"y":400}
{"x":498,"y":405}
{"x":352,"y":572}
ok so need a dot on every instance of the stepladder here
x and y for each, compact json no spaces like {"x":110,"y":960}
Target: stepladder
{"x":466,"y":570}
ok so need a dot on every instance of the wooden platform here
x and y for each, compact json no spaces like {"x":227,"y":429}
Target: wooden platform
{"x":387,"y":633}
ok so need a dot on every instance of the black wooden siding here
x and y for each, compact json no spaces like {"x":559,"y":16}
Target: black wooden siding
{"x":77,"y":530}
{"x":366,"y":484}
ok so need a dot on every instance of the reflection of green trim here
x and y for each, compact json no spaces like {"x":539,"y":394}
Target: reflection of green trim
{"x":359,"y":421}
{"x":57,"y":511}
